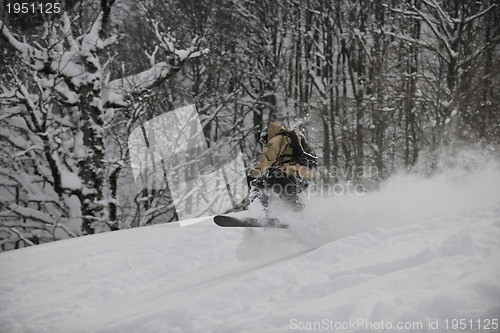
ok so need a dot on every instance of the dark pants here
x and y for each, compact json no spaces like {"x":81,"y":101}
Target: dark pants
{"x":286,"y":186}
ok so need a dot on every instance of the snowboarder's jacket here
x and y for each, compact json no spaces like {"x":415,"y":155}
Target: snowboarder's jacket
{"x":278,"y":152}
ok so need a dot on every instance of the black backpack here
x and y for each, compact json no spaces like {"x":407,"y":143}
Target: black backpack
{"x":302,"y":153}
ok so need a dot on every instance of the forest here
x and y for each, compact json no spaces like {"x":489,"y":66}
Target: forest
{"x":373,"y":84}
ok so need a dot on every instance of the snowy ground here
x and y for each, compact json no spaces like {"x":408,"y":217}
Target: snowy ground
{"x":420,"y":254}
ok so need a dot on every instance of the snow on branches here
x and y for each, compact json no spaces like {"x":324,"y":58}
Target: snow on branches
{"x":56,"y":108}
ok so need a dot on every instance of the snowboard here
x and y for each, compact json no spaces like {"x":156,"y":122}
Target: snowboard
{"x":249,"y":222}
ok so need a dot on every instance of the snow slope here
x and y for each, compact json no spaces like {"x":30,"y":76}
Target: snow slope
{"x":416,"y":256}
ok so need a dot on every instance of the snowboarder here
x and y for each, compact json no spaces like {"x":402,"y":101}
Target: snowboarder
{"x":285,"y":167}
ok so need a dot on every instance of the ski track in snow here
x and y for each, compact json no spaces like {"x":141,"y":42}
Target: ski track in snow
{"x":171,"y":279}
{"x":382,"y":258}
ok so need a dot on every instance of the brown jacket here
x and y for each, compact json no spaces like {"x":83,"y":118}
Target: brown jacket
{"x":277,"y":153}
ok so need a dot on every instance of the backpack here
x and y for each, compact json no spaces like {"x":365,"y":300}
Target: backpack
{"x":302,"y":153}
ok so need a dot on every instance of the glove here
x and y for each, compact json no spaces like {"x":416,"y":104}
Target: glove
{"x":250,"y":179}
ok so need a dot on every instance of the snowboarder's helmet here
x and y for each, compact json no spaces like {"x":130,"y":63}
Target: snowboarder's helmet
{"x":263,"y":136}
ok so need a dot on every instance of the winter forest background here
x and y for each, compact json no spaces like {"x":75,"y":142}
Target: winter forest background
{"x":374,"y":84}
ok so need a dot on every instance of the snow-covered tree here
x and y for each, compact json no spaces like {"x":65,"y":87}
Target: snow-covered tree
{"x":57,"y":111}
{"x":453,"y":41}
